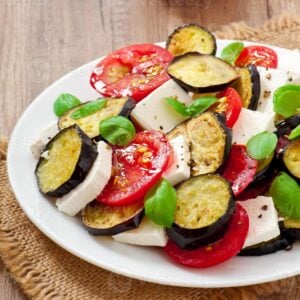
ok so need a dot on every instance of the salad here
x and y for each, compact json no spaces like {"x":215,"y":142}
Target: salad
{"x":183,"y":150}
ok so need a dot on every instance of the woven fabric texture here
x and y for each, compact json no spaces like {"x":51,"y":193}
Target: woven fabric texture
{"x":45,"y":271}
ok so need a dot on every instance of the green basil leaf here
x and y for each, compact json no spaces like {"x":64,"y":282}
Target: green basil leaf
{"x":200,"y":105}
{"x":117,"y":130}
{"x":177,"y":105}
{"x":286,"y":195}
{"x":286,"y":100}
{"x":160,"y":203}
{"x":88,"y":109}
{"x":231,"y":52}
{"x":262,"y":145}
{"x":63,"y":103}
{"x":197,"y":107}
{"x":295,"y":133}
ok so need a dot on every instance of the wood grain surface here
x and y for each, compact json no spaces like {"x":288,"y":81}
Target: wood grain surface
{"x":41,"y":40}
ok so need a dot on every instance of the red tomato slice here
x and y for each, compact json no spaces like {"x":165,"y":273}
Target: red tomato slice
{"x":225,"y":248}
{"x":133,"y":71}
{"x":240,"y":168}
{"x":259,"y":56}
{"x":233,"y":105}
{"x":136,"y":168}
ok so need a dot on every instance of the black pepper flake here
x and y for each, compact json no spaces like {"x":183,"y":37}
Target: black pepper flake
{"x":260,"y":216}
{"x":161,"y":127}
{"x":182,"y":159}
{"x":290,"y":78}
{"x":264,"y":207}
{"x":177,"y":166}
{"x":268,"y":76}
{"x":267,"y":93}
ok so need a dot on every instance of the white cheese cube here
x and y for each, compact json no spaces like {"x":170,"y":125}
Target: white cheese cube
{"x":154,"y":113}
{"x":251,"y":123}
{"x":44,"y":137}
{"x":179,"y":169}
{"x":270,"y":81}
{"x":147,"y":234}
{"x":263,"y":220}
{"x":92,"y":185}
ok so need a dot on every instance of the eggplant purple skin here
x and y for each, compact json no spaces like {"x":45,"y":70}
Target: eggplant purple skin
{"x":267,"y":172}
{"x":208,"y":89}
{"x":255,"y":80}
{"x":193,"y":238}
{"x":178,"y":29}
{"x":281,"y":165}
{"x":87,"y":157}
{"x":286,"y":126}
{"x":281,"y":243}
{"x":289,"y":233}
{"x":129,"y":224}
{"x":228,"y":141}
{"x":128,"y":107}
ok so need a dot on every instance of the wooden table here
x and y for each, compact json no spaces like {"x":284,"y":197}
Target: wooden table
{"x":41,"y":40}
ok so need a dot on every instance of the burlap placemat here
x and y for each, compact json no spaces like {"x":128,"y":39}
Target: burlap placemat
{"x":45,"y":271}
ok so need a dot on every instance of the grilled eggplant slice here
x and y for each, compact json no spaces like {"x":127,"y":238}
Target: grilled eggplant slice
{"x":248,"y":86}
{"x":210,"y":143}
{"x":286,"y":126}
{"x":201,"y":73}
{"x":90,"y":123}
{"x":191,"y":38}
{"x":204,"y":205}
{"x":279,"y":243}
{"x":65,"y":162}
{"x":291,"y":158}
{"x":264,"y":167}
{"x":209,"y":140}
{"x":290,"y":228}
{"x":101,"y":219}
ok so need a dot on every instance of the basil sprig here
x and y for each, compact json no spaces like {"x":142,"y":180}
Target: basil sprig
{"x":295,"y":133}
{"x":197,"y":107}
{"x":285,"y":192}
{"x":262,"y":145}
{"x":160,"y":203}
{"x":286,"y":100}
{"x":117,"y":130}
{"x":63,"y":103}
{"x":88,"y":109}
{"x":231,"y":52}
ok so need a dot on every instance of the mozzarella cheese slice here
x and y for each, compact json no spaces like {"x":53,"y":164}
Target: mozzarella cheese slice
{"x":92,"y":185}
{"x":154,"y":113}
{"x":270,"y":80}
{"x":263,"y":220}
{"x":180,"y":168}
{"x":147,"y":234}
{"x":251,"y":123}
{"x":44,"y":137}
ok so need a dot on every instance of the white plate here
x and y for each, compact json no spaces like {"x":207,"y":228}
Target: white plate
{"x":147,"y":264}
